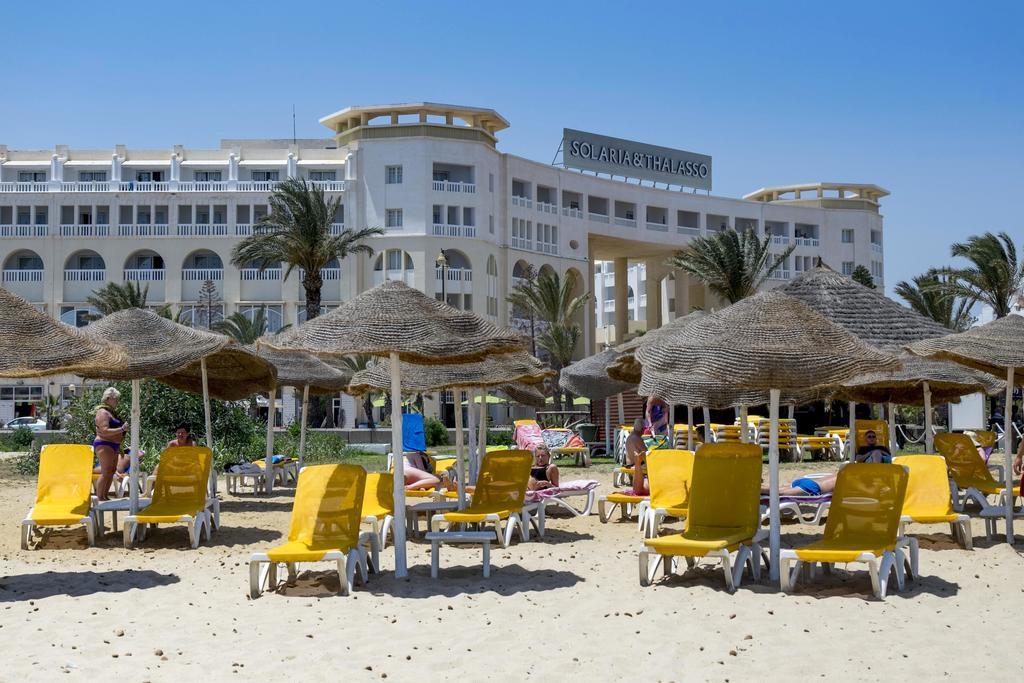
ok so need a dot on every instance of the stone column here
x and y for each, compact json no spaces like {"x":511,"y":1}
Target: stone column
{"x":589,"y":311}
{"x":621,"y":295}
{"x":652,"y":285}
{"x":682,"y":293}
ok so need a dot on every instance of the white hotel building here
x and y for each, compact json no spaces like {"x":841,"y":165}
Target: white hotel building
{"x":432,"y":176}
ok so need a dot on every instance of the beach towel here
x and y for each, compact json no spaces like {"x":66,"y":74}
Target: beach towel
{"x":576,"y":486}
{"x":528,"y":436}
{"x":562,"y":438}
{"x":414,"y":438}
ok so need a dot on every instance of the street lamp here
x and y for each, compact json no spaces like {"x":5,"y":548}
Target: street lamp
{"x":442,"y":263}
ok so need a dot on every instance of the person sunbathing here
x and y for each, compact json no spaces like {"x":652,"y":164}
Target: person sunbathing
{"x":417,"y":472}
{"x":636,"y":455}
{"x":814,"y":484}
{"x":543,"y":474}
{"x":873,"y":451}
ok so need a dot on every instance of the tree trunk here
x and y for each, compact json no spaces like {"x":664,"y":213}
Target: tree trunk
{"x":368,"y":408}
{"x":312,"y":283}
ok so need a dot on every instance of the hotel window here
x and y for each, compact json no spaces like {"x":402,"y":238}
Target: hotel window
{"x":323,"y":175}
{"x":265,"y":176}
{"x":848,"y":267}
{"x":393,"y":218}
{"x":272,"y":315}
{"x":149,"y":176}
{"x":77,"y":316}
{"x":876,"y":269}
{"x":41,"y":215}
{"x":31,"y":176}
{"x":490,"y":224}
{"x":92,"y":176}
{"x":468,"y":216}
{"x":438,"y":214}
{"x":393,"y":175}
{"x":490,"y":182}
{"x":208,"y":176}
{"x":24,"y":215}
{"x":847,"y":236}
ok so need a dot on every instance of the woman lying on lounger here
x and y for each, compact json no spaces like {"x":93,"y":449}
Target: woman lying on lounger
{"x":543,"y":475}
{"x":814,"y":484}
{"x":417,"y":474}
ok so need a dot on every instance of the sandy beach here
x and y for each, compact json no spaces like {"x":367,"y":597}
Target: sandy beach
{"x":568,"y":606}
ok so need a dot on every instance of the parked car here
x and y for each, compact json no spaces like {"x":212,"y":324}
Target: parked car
{"x":33,"y":423}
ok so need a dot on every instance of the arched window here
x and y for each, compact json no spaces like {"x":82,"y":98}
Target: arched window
{"x":492,"y":287}
{"x":393,"y":264}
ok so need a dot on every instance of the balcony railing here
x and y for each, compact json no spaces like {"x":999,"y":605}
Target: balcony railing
{"x":180,"y":186}
{"x":454,"y":274}
{"x":144,"y":230}
{"x":243,"y":229}
{"x":875,"y":246}
{"x":660,"y":227}
{"x":144,"y":274}
{"x":23,"y":275}
{"x":203,"y":230}
{"x":202,"y":274}
{"x":88,"y":275}
{"x":780,"y":239}
{"x":625,"y":222}
{"x":522,"y":201}
{"x":547,"y":207}
{"x":24,"y":187}
{"x":571,"y":212}
{"x":24,"y":230}
{"x":688,"y":230}
{"x":807,"y":241}
{"x":337,"y":228}
{"x":446,"y":186}
{"x":454,"y":230}
{"x":85,"y":231}
{"x":780,"y":275}
{"x":522,"y":243}
{"x":547,"y":248}
{"x":598,"y":217}
{"x":325,"y":274}
{"x":257,"y":275}
{"x":86,"y":186}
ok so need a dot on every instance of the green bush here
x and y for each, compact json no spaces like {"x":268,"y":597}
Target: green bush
{"x":18,"y":440}
{"x":436,"y":432}
{"x":499,"y":437}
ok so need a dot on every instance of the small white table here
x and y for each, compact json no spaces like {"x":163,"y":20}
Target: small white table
{"x":113,"y":506}
{"x":436,"y":538}
{"x":426,"y":508}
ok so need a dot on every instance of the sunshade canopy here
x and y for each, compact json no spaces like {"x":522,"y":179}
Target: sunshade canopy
{"x":626,"y":368}
{"x":34,"y":344}
{"x":589,"y":377}
{"x":946,"y":380}
{"x":233,"y":373}
{"x":526,"y":394}
{"x":993,"y":348}
{"x":500,"y":369}
{"x":305,"y":369}
{"x":395,"y":318}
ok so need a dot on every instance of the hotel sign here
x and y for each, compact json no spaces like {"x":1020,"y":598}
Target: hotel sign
{"x":602,"y":154}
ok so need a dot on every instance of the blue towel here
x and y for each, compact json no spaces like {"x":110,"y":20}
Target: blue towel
{"x":413,"y":436}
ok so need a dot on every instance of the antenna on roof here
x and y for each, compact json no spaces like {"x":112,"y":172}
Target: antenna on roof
{"x":293,"y":123}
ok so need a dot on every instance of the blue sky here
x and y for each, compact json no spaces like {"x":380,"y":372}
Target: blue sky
{"x":924,"y":99}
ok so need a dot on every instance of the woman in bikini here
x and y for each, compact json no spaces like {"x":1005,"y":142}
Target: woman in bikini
{"x":543,"y":475}
{"x":110,"y":431}
{"x":417,"y":475}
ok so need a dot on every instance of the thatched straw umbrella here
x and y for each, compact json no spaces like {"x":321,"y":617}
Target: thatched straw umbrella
{"x":33,"y":344}
{"x":183,"y":357}
{"x":525,"y":394}
{"x":314,"y":376}
{"x":769,"y":341}
{"x":589,"y":377}
{"x":494,"y":371}
{"x":867,"y":314}
{"x":998,"y":349}
{"x":919,"y":382}
{"x":402,"y":324}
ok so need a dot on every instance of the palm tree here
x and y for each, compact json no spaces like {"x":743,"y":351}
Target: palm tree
{"x":862,"y":275}
{"x":354,"y":364}
{"x":995,"y":276}
{"x":560,"y":342}
{"x":297,"y":232}
{"x":113,"y":297}
{"x":242,"y":329}
{"x":733,"y":265}
{"x":929,"y":294}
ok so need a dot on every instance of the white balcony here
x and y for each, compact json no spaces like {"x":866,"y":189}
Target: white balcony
{"x":243,"y":229}
{"x":23,"y":275}
{"x":88,"y":186}
{"x":445,"y":186}
{"x":781,"y":239}
{"x":203,"y":230}
{"x":625,"y":222}
{"x":609,"y":306}
{"x":546,"y":248}
{"x":147,"y":230}
{"x":522,"y":201}
{"x":325,"y":274}
{"x":456,"y":280}
{"x":684,"y":230}
{"x":545,"y":207}
{"x":181,"y":186}
{"x":406,"y":276}
{"x":203,"y":186}
{"x":807,"y":241}
{"x":144,"y":274}
{"x":521,"y":243}
{"x":337,"y":229}
{"x":780,"y":275}
{"x":454,"y":230}
{"x":598,"y":217}
{"x":24,"y":187}
{"x":90,"y":275}
{"x":85,"y":231}
{"x":141,"y":186}
{"x":24,"y":230}
{"x":202,"y":274}
{"x":659,"y":227}
{"x":875,"y":246}
{"x":257,"y":275}
{"x":571,"y":213}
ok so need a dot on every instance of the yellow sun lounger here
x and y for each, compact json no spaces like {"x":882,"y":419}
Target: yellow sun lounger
{"x":724,"y":515}
{"x":628,"y":505}
{"x":863,"y":526}
{"x":326,"y":518}
{"x":379,"y":505}
{"x":499,"y":498}
{"x":668,"y":473}
{"x":928,"y":500}
{"x":63,"y":491}
{"x":179,"y":495}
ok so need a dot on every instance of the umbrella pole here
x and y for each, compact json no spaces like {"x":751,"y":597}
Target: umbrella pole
{"x":622,"y":410}
{"x":743,"y":425}
{"x":890,"y":412}
{"x":1008,"y":464}
{"x":398,"y":527}
{"x":268,"y":460}
{"x":708,"y":437}
{"x":471,"y":432}
{"x":133,"y":468}
{"x":302,"y":426}
{"x":460,"y":453}
{"x":689,"y":431}
{"x":774,"y":532}
{"x":929,"y":438}
{"x":209,"y":422}
{"x":607,"y":425}
{"x":852,"y":440}
{"x":481,"y":439}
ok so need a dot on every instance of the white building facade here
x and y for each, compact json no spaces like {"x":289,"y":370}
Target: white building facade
{"x":432,"y":177}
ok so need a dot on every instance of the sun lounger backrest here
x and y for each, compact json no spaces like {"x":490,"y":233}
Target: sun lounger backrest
{"x":65,"y":474}
{"x":867,"y":504}
{"x":379,"y":491}
{"x":928,"y":486}
{"x":985,"y":438}
{"x":183,"y":476}
{"x":879,"y":427}
{"x":669,"y":473}
{"x":966,"y":467}
{"x":502,"y":481}
{"x":726,"y":487}
{"x":327,"y":511}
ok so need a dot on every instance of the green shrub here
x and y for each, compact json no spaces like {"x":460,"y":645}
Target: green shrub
{"x":499,"y":437}
{"x":18,"y":440}
{"x":436,"y":432}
